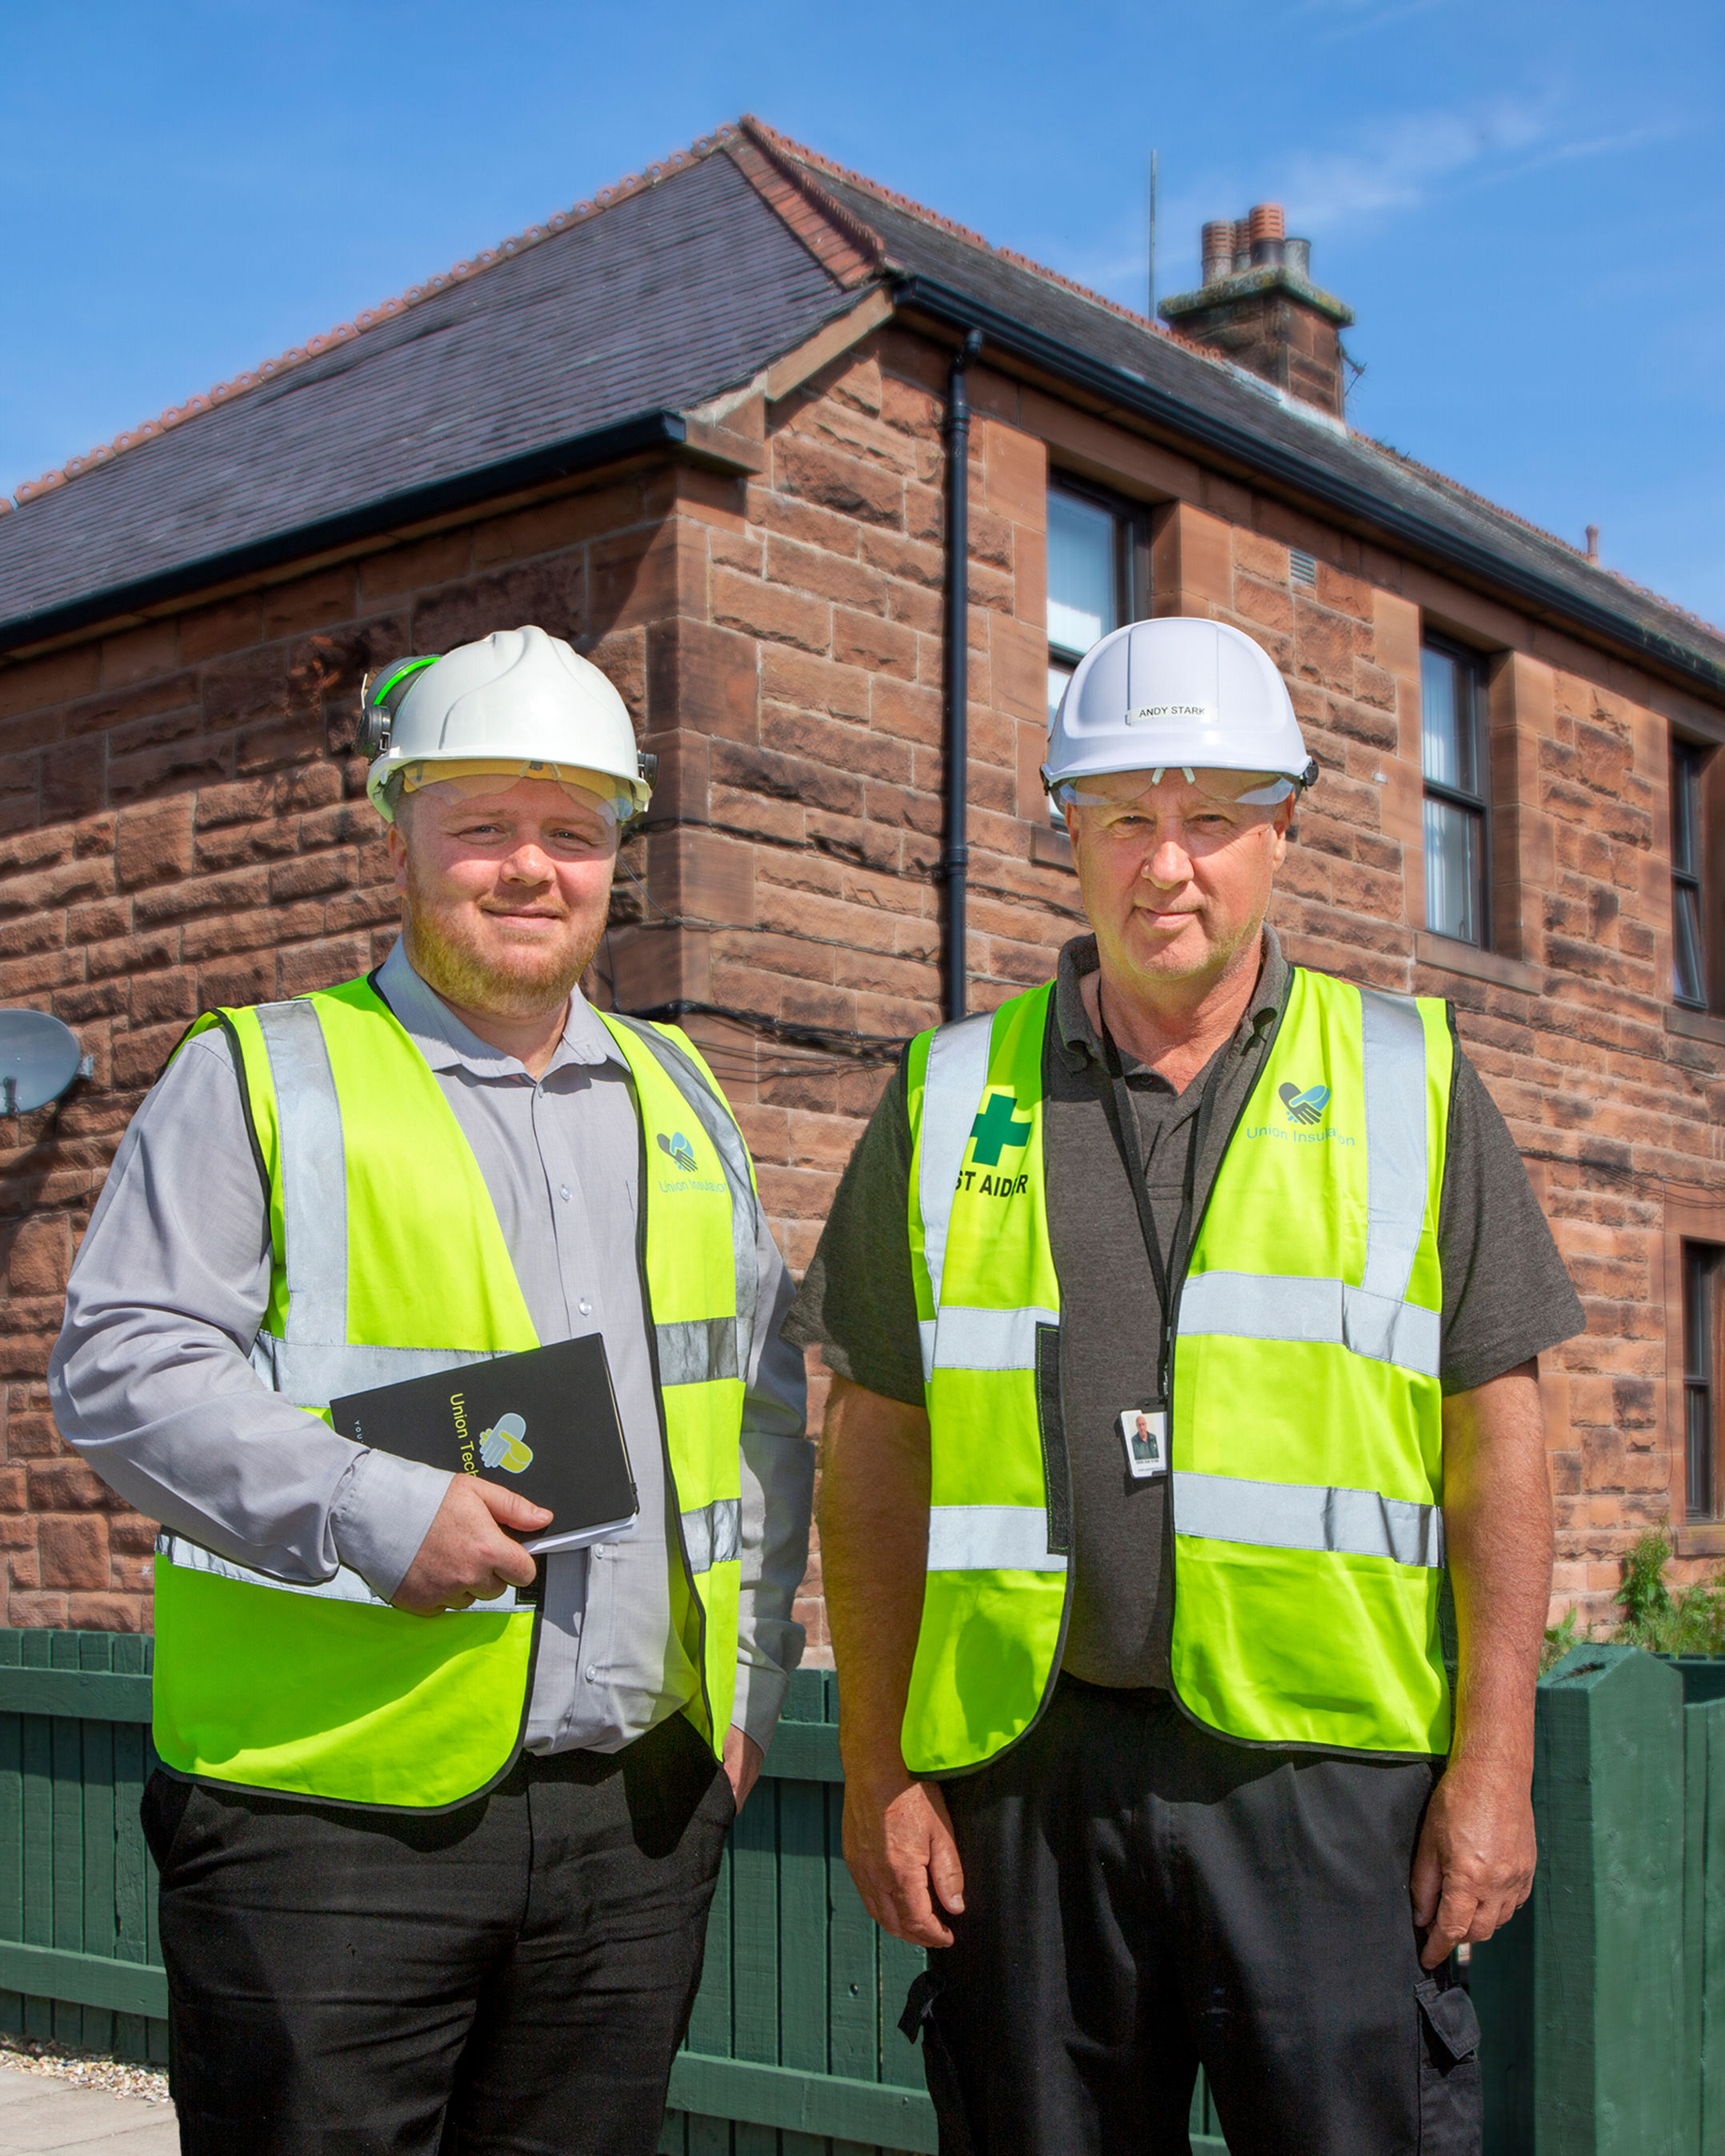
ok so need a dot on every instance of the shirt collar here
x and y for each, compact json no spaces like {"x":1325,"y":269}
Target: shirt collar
{"x":1078,"y":1039}
{"x":447,"y":1045}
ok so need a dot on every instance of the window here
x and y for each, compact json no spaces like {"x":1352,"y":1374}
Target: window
{"x":1458,"y":853}
{"x":1689,"y":982}
{"x":1703,"y":1274}
{"x":1098,"y":559}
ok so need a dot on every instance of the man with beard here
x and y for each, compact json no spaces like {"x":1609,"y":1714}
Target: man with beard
{"x":438,"y":1838}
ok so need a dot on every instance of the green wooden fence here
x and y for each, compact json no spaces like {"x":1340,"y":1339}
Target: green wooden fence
{"x":1603,"y":2002}
{"x":794,"y":2049}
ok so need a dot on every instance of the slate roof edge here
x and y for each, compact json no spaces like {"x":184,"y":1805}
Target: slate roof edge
{"x":1265,"y":459}
{"x":674,"y":432}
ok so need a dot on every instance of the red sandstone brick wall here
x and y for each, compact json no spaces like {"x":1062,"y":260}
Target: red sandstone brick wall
{"x":185,"y":828}
{"x":181,"y":829}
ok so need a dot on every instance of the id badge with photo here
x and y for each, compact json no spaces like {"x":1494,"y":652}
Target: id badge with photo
{"x":1144,"y":1431}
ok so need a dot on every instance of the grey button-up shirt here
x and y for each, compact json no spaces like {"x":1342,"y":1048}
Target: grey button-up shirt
{"x":150,"y":1379}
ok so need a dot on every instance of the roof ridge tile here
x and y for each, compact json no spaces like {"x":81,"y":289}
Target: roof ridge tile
{"x":770,"y":138}
{"x":1443,"y":479}
{"x":844,"y":245}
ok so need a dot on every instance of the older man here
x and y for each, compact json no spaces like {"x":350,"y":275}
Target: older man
{"x":437,"y":1838}
{"x":1183,"y":1315}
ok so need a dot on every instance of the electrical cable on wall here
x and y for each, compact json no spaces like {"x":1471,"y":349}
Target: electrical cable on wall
{"x":832,"y":1048}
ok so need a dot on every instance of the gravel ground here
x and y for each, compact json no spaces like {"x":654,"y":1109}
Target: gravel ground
{"x":88,"y":2070}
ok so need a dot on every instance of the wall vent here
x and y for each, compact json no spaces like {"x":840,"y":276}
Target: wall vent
{"x":1302,"y":568}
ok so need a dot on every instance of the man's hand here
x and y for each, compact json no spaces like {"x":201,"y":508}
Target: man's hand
{"x":742,"y":1763}
{"x":465,"y":1556}
{"x":898,"y":1842}
{"x":1474,"y":1867}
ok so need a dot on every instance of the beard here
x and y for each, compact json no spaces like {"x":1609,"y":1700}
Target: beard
{"x":525,"y":979}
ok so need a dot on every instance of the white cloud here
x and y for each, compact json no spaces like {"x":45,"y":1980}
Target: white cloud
{"x":1400,"y":163}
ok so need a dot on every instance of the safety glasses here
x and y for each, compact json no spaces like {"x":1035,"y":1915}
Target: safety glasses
{"x":594,"y":791}
{"x":1260,"y":790}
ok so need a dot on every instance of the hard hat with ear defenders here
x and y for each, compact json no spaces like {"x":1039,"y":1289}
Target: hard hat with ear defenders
{"x":518,"y":701}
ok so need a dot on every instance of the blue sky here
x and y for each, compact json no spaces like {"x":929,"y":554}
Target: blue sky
{"x":1524,"y":202}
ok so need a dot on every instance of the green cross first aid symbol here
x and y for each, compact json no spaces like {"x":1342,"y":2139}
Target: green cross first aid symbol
{"x":996,"y":1128}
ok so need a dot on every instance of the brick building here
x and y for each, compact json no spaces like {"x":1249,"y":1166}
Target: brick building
{"x":698,"y":426}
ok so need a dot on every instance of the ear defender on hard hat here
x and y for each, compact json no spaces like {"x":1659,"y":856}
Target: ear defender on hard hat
{"x":381,"y":696}
{"x":517,"y":700}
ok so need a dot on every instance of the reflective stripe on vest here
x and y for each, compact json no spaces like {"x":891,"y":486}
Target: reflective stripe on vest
{"x":1221,"y":1507}
{"x":1307,"y":1335}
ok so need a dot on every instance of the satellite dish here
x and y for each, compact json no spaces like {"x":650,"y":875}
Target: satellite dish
{"x":39,"y":1059}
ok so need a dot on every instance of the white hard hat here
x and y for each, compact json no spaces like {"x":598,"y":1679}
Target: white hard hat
{"x":517,"y":696}
{"x":1178,"y":693}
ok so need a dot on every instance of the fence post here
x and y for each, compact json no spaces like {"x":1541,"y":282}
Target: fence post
{"x":1500,"y":1979}
{"x":1704,"y":1918}
{"x":1609,"y":2027}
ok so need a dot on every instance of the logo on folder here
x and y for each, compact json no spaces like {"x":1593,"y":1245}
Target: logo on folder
{"x":505,"y":1445}
{"x":1306,"y":1107}
{"x":680,"y":1149}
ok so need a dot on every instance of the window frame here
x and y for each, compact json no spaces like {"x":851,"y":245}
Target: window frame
{"x":1131,"y":554}
{"x":1690,"y":1218}
{"x":1471,"y":664}
{"x":1688,"y":763}
{"x":1703,"y":1290}
{"x":1131,"y":578}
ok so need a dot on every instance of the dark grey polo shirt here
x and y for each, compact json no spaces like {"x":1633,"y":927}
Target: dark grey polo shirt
{"x":1507,"y":1295}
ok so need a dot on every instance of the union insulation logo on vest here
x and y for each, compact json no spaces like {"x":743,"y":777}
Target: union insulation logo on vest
{"x":1308,"y":1107}
{"x":997,"y":1131}
{"x":681,"y":1150}
{"x":1305,"y":1107}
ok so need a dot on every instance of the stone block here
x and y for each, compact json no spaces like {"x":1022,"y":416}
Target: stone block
{"x":154,"y":844}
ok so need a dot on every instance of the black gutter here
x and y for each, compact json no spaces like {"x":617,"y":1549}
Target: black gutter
{"x":648,"y":430}
{"x":955,"y":855}
{"x":1261,"y":459}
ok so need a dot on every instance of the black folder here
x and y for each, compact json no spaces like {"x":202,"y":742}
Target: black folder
{"x":544,"y":1423}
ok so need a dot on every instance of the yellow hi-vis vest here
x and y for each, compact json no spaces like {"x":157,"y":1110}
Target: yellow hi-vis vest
{"x":1305,"y":1422}
{"x":389,"y":1263}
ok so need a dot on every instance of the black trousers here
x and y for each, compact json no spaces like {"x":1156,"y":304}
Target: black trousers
{"x":513,"y":1976}
{"x":1142,"y":1899}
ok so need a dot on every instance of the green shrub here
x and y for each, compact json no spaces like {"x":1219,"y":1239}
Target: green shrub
{"x":1690,"y":1621}
{"x":1559,"y":1639}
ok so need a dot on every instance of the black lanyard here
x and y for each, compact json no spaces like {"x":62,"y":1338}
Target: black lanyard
{"x":1168,"y":1273}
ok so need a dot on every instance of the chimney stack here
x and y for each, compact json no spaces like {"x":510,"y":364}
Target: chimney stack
{"x":1258,"y":306}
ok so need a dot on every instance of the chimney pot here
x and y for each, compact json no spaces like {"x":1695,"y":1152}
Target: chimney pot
{"x":1296,"y":255}
{"x":1242,"y":244}
{"x":1264,"y":229}
{"x":1593,"y":543}
{"x":1218,"y":249}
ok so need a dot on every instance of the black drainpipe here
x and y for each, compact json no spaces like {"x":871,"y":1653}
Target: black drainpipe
{"x":955,"y":855}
